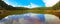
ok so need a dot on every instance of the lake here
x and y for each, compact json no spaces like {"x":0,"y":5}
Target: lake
{"x":28,"y":18}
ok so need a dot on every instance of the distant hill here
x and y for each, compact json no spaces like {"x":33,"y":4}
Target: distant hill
{"x":21,"y":8}
{"x":57,"y":6}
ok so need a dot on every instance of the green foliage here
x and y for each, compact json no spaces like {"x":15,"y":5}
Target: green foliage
{"x":9,"y":7}
{"x":43,"y":8}
{"x":57,"y":6}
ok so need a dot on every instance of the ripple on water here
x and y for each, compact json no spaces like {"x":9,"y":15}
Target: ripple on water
{"x":28,"y":18}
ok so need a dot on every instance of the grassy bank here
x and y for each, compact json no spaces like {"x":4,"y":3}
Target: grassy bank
{"x":7,"y":12}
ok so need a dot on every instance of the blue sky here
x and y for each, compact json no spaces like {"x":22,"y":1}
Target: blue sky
{"x":31,"y":3}
{"x":18,"y":3}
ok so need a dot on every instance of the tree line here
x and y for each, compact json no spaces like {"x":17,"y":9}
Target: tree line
{"x":9,"y":7}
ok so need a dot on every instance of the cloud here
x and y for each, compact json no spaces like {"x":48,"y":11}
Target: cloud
{"x":6,"y":1}
{"x":31,"y":5}
{"x":50,"y":3}
{"x":28,"y":6}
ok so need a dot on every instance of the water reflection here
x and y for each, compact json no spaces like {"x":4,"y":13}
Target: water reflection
{"x":30,"y":18}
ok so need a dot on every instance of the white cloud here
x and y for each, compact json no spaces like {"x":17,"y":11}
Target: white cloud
{"x":28,"y":6}
{"x":50,"y":3}
{"x":31,"y":5}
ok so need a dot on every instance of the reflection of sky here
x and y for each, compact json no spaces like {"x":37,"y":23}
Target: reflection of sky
{"x":30,"y":17}
{"x":25,"y":16}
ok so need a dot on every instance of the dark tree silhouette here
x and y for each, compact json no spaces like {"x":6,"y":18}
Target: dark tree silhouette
{"x":57,"y":6}
{"x":8,"y":7}
{"x":5,"y":6}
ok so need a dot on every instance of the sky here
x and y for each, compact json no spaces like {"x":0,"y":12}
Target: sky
{"x":31,"y":3}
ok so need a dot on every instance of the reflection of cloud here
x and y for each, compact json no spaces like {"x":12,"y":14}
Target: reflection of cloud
{"x":51,"y":18}
{"x":50,"y":3}
{"x":2,"y":23}
{"x":6,"y":17}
